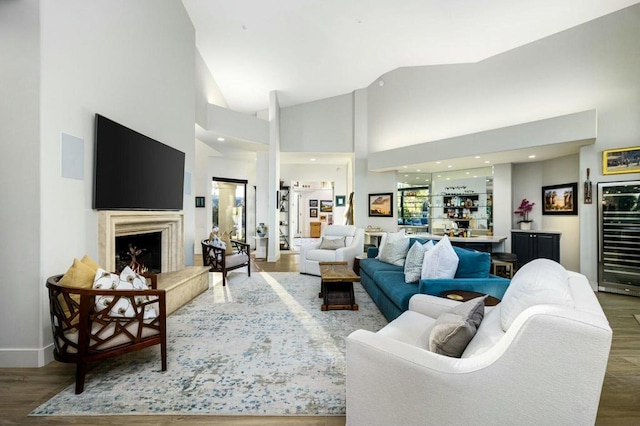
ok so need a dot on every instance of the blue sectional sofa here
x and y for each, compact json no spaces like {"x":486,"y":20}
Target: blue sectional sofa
{"x":386,"y":285}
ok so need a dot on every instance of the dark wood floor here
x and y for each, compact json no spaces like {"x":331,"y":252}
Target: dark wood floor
{"x":23,"y":389}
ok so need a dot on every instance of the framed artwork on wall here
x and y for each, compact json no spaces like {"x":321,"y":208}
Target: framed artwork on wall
{"x":340,"y":200}
{"x":199,"y":201}
{"x":313,"y":203}
{"x":313,"y":212}
{"x":560,"y":199}
{"x":621,"y":160}
{"x":326,"y":206}
{"x":380,"y":205}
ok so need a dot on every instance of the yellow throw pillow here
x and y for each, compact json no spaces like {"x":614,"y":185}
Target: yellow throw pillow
{"x":226,"y":239}
{"x":89,"y":262}
{"x":79,"y":275}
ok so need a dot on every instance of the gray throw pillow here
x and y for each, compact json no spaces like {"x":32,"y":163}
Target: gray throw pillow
{"x":332,"y":243}
{"x":453,"y":330}
{"x":413,"y":262}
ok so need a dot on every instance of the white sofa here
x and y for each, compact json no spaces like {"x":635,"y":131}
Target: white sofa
{"x":311,"y":254}
{"x":546,"y":367}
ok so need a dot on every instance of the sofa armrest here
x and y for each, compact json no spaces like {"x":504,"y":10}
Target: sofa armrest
{"x":372,"y":252}
{"x":431,"y":306}
{"x":493,"y":285}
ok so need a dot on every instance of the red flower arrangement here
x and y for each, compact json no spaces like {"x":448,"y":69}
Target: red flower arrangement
{"x":525,"y":207}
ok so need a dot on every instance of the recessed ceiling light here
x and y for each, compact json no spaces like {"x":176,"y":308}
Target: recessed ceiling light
{"x":221,"y":139}
{"x":449,"y":166}
{"x":532,"y":156}
{"x":380,"y":83}
{"x":475,"y":176}
{"x":439,"y":176}
{"x":438,"y":162}
{"x":468,"y":173}
{"x":476,"y":157}
{"x":448,"y":178}
{"x":404,"y":167}
{"x":418,"y":170}
{"x":313,"y":159}
{"x":487,"y":162}
{"x":417,"y":177}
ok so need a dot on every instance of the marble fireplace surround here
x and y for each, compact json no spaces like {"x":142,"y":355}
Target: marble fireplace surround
{"x":116,"y":223}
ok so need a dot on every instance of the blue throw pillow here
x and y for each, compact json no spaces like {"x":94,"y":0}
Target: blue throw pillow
{"x":473,"y":264}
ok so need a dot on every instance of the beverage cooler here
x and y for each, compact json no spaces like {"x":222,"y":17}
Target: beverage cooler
{"x":619,"y":237}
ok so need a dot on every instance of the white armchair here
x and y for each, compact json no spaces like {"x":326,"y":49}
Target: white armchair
{"x":312,"y":254}
{"x":546,"y":368}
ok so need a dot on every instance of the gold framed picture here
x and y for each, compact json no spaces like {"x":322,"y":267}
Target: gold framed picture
{"x":621,"y":160}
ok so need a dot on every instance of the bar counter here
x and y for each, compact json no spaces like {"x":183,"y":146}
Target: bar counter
{"x":481,"y":242}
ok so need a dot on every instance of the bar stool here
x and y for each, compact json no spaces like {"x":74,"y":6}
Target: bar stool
{"x":504,"y":264}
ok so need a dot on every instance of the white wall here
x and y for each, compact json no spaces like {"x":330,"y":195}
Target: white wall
{"x":320,"y":126}
{"x":22,"y":291}
{"x":207,"y":91}
{"x":130,"y":61}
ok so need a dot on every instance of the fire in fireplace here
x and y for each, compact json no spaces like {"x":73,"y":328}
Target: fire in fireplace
{"x":141,"y":252}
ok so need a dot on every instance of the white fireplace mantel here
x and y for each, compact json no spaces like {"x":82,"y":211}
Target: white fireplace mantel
{"x":116,"y":223}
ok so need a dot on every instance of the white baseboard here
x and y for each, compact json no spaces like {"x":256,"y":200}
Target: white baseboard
{"x":26,"y":358}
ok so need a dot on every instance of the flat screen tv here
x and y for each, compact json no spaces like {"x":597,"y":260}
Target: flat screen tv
{"x":133,"y":171}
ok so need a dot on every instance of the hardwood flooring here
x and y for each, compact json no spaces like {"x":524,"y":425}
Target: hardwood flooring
{"x":23,"y":389}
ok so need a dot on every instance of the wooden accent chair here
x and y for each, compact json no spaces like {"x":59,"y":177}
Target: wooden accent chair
{"x":225,"y":260}
{"x":83,"y":334}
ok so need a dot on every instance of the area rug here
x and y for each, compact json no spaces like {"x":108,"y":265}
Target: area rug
{"x":259,"y":346}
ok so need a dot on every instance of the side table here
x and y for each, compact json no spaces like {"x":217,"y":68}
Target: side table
{"x":356,"y":263}
{"x":464,"y":295}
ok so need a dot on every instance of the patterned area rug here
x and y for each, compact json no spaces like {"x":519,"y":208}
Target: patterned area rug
{"x":259,"y":346}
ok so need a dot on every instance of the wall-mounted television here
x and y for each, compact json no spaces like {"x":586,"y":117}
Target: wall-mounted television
{"x":133,"y":171}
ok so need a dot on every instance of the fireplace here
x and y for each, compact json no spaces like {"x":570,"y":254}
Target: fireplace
{"x":141,"y":252}
{"x":168,"y":226}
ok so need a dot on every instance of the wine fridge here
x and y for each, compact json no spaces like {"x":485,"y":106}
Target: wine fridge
{"x":619,"y":237}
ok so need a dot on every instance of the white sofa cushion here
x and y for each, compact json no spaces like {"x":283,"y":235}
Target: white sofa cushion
{"x":389,"y":236}
{"x":395,"y":251}
{"x":541,"y":281}
{"x":441,"y":261}
{"x":320,"y":255}
{"x":410,"y":327}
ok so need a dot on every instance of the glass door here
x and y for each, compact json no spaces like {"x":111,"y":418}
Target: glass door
{"x":229,"y":213}
{"x":619,"y":245}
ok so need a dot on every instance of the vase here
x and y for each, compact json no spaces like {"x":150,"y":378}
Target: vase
{"x":525,"y":226}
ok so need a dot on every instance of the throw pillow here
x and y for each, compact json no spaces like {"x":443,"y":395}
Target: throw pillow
{"x":389,"y":236}
{"x":395,"y":251}
{"x":473,"y":263}
{"x":453,"y":330}
{"x":541,"y":281}
{"x":332,"y":243}
{"x":123,"y":307}
{"x":79,"y":275}
{"x":441,"y":261}
{"x":226,"y":239}
{"x":89,"y":262}
{"x":413,"y":261}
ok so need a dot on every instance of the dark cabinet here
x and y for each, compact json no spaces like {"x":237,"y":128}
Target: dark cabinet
{"x":533,"y":245}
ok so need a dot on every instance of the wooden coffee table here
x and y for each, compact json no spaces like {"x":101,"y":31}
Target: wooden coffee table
{"x":336,"y":286}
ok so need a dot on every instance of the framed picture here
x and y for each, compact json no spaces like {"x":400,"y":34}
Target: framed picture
{"x":199,"y":201}
{"x":326,"y":206}
{"x":622,"y":160}
{"x":380,"y":204}
{"x":313,"y":212}
{"x":560,"y":199}
{"x":323,"y":218}
{"x":340,"y":200}
{"x":313,"y":203}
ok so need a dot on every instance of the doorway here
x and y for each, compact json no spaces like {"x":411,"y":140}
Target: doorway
{"x":229,"y":213}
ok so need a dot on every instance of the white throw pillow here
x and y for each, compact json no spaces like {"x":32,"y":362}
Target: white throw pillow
{"x":395,"y":251}
{"x":539,"y":282}
{"x":128,"y":280}
{"x":441,"y":261}
{"x":414,"y":259}
{"x":389,"y":236}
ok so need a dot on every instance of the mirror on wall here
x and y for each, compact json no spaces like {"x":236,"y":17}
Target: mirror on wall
{"x":229,"y":213}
